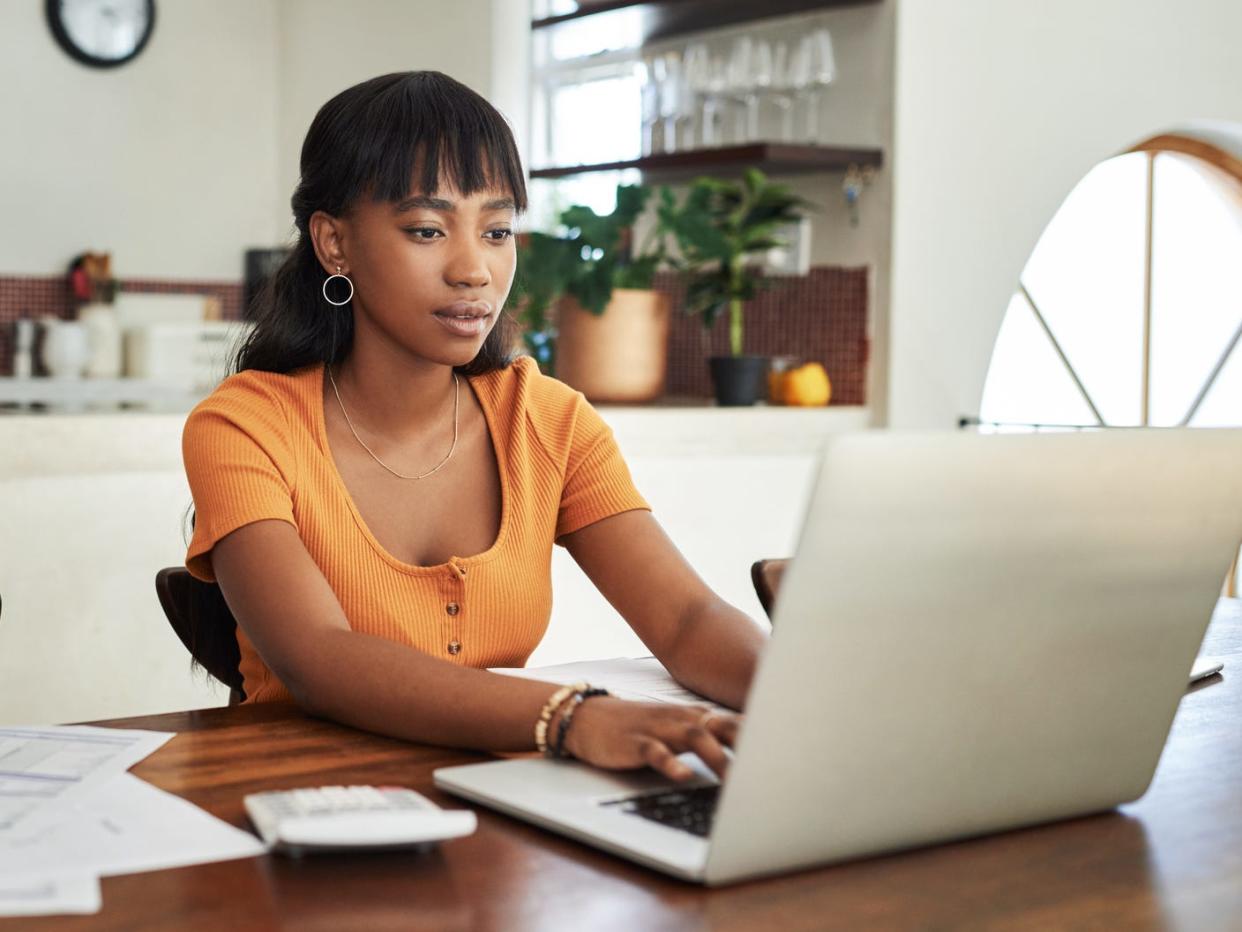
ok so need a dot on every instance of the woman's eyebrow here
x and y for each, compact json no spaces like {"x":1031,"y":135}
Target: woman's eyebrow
{"x":439,"y":203}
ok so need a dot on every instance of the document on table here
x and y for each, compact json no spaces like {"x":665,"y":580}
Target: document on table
{"x":70,"y":814}
{"x":42,"y":765}
{"x":125,"y":826}
{"x":639,"y":678}
{"x":47,"y":895}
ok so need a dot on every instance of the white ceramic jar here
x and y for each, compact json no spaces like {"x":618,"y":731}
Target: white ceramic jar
{"x":103,"y":336}
{"x":66,"y":349}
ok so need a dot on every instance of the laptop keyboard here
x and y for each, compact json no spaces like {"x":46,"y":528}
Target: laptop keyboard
{"x":690,"y":810}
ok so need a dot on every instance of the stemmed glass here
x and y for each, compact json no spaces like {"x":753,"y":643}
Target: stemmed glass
{"x":784,"y":81}
{"x":720,"y":90}
{"x":712,"y":85}
{"x":763,"y":71}
{"x":749,"y":76}
{"x":737,"y":79}
{"x":649,"y":90}
{"x":677,"y":103}
{"x":820,"y":71}
{"x":696,"y":62}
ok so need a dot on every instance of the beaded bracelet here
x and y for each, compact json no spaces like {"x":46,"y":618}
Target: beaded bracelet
{"x":555,"y":701}
{"x":579,"y":697}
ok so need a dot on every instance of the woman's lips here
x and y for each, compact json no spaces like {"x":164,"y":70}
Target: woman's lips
{"x":467,"y":325}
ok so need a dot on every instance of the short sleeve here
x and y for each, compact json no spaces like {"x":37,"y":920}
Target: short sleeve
{"x":597,"y":480}
{"x":240,"y":468}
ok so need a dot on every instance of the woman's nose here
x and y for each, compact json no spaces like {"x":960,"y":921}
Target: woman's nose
{"x":467,"y":266}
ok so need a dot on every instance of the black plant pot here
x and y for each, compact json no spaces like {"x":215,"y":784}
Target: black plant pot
{"x":739,"y":380}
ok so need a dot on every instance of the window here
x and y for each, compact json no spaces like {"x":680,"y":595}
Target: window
{"x":585,"y":108}
{"x":1129,"y":310}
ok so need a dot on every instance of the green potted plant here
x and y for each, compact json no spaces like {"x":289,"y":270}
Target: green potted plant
{"x":717,"y":227}
{"x":587,"y":308}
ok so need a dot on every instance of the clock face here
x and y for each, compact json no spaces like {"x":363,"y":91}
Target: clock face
{"x":103,"y":33}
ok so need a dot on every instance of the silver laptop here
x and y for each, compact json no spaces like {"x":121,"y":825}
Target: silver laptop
{"x":978,"y":632}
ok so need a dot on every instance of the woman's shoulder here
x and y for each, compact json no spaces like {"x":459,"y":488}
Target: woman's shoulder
{"x":520,"y":386}
{"x":557,"y":416}
{"x":252,"y":388}
{"x":254,"y":400}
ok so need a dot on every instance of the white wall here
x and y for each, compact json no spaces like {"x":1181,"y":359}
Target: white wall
{"x":181,"y":159}
{"x":509,"y":89}
{"x":325,"y":47}
{"x":168,"y":162}
{"x":1000,"y":109}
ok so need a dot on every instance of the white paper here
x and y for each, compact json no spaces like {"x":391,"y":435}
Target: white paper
{"x":45,"y":765}
{"x":125,"y":826}
{"x":639,"y":678}
{"x":48,"y":894}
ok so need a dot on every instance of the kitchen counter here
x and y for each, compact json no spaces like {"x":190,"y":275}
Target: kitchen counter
{"x":77,"y":443}
{"x":92,"y":505}
{"x":58,"y":396}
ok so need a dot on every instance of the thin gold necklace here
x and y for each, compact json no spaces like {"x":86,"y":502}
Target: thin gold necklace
{"x":456,"y":407}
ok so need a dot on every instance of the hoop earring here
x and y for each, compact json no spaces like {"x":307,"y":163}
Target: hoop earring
{"x":347,"y":281}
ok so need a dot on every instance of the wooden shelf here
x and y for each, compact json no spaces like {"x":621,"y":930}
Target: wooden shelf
{"x":772,"y":158}
{"x":662,"y":19}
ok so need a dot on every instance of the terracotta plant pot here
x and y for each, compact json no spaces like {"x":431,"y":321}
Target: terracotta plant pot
{"x":619,"y":356}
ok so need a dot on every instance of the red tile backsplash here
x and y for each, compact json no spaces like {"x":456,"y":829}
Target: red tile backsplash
{"x":820,"y":317}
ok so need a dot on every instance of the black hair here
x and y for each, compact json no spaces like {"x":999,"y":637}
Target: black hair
{"x":367,"y":141}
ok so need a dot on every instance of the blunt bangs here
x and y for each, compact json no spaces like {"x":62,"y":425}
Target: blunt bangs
{"x":429,"y":123}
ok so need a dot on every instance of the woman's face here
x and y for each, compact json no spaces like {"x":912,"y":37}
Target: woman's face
{"x":431,"y":273}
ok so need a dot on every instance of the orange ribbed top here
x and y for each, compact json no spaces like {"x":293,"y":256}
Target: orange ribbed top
{"x":257,"y":448}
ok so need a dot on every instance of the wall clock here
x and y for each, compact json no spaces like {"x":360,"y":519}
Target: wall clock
{"x":102,"y":33}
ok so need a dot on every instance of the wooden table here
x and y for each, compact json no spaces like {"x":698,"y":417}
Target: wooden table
{"x":1172,"y":860}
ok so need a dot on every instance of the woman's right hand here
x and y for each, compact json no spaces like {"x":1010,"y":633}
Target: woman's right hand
{"x":617,"y":734}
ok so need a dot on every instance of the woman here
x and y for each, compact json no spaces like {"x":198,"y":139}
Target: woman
{"x":378,"y":487}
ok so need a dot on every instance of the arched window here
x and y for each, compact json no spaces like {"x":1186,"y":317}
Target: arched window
{"x":1129,"y":310}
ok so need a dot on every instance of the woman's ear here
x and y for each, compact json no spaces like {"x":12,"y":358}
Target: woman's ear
{"x":328,"y":237}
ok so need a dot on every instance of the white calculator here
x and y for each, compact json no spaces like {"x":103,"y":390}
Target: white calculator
{"x":352,"y":818}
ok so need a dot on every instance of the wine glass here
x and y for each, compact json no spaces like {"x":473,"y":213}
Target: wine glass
{"x":697,"y":71}
{"x":707,"y":77}
{"x":782,"y":84}
{"x":761,"y":75}
{"x":715,"y":101}
{"x":738,"y":81}
{"x":821,"y":69}
{"x":677,"y":105}
{"x":649,"y":90}
{"x":749,"y":75}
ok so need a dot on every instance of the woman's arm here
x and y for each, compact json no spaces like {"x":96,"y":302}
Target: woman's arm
{"x":291,"y":615}
{"x":706,"y":644}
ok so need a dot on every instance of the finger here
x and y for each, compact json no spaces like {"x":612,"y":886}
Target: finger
{"x":703,"y":743}
{"x":724,"y":728}
{"x":657,"y":756}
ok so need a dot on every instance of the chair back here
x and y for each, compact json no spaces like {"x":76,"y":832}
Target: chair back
{"x":766,"y":577}
{"x":200,"y":616}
